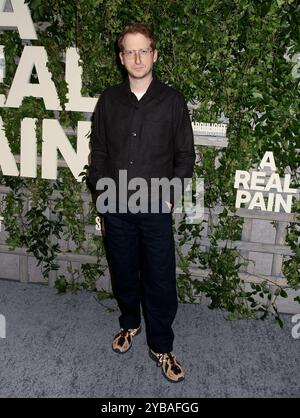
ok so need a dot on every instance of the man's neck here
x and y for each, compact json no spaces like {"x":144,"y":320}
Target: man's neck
{"x":140,"y":85}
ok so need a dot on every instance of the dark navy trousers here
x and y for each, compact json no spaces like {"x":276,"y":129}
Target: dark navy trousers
{"x":141,"y":255}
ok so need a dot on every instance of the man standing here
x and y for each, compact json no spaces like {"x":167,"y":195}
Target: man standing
{"x":142,"y":126}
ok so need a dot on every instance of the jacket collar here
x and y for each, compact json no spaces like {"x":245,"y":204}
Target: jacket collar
{"x":154,"y":89}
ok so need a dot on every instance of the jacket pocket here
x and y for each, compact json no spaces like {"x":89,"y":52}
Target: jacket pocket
{"x":157,"y":133}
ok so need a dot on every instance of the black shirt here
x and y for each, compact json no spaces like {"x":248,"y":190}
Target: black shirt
{"x":150,"y":137}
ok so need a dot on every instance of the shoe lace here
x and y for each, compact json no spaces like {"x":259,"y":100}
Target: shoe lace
{"x":121,"y":336}
{"x":164,"y":357}
{"x":123,"y":332}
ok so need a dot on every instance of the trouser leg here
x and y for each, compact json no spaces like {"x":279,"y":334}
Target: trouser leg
{"x":122,"y":242}
{"x":158,"y":277}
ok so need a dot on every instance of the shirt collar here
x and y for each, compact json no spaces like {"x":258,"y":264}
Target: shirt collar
{"x":154,"y":89}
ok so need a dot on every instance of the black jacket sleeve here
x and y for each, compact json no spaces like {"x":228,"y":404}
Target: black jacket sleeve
{"x":184,"y":151}
{"x":98,"y":147}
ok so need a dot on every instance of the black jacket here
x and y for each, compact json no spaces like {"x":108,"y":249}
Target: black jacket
{"x":150,"y":137}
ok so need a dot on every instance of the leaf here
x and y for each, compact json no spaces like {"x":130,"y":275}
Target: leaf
{"x":283,"y":293}
{"x":102,"y":295}
{"x":60,"y":284}
{"x":257,"y":95}
{"x":297,"y":299}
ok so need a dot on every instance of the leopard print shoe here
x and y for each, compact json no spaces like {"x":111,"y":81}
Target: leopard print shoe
{"x":123,"y":339}
{"x":170,"y":366}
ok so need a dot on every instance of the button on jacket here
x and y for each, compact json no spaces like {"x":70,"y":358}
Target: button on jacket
{"x":150,"y":138}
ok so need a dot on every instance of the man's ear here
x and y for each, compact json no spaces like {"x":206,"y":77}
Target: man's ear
{"x":121,"y":58}
{"x":155,"y":55}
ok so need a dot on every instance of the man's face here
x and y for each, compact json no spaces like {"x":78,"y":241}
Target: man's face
{"x":137,"y":66}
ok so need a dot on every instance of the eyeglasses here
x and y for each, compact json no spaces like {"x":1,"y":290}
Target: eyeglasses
{"x":130,"y":53}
